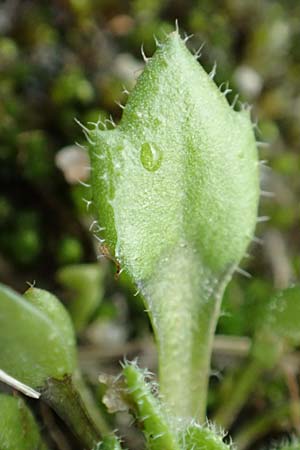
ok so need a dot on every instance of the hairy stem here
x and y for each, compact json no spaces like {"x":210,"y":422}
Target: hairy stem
{"x":184,"y":315}
{"x":148,"y":411}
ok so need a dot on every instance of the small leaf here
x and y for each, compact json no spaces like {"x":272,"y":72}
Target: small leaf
{"x":18,"y":429}
{"x":37,"y":347}
{"x":36,"y":336}
{"x":86,"y":281}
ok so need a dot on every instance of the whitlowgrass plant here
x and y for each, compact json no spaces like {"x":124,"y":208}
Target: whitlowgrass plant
{"x":175,"y":187}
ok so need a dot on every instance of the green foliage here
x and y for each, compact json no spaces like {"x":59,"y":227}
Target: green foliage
{"x":42,"y":344}
{"x":23,"y":239}
{"x":167,"y":166}
{"x":164,"y":156}
{"x":279,"y":327}
{"x":290,"y":447}
{"x":72,"y":86}
{"x":86,"y":281}
{"x":277,"y":331}
{"x":40,"y":352}
{"x":283,"y":315}
{"x":69,"y":250}
{"x":161,"y":428}
{"x":70,"y":60}
{"x":36,"y":159}
{"x":18,"y":429}
{"x":294,"y":444}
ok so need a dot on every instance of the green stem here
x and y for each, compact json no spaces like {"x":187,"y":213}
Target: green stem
{"x":184,"y":362}
{"x":64,"y":398}
{"x":199,"y":437}
{"x":148,"y":411}
{"x":262,"y":425}
{"x":109,"y":443}
{"x":233,"y":403}
{"x":184,"y":311}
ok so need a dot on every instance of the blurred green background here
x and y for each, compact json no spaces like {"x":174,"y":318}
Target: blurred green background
{"x":66,"y":59}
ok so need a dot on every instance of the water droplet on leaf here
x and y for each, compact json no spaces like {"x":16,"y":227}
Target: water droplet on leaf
{"x":151,"y":156}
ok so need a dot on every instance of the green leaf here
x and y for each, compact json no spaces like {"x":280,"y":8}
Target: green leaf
{"x":36,"y":337}
{"x":37,"y":347}
{"x":176,"y":189}
{"x":86,"y":281}
{"x":18,"y":429}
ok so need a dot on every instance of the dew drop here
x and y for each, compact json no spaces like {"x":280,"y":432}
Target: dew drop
{"x":151,"y":156}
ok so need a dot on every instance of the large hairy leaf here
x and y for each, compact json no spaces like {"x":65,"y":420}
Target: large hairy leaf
{"x":175,"y":187}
